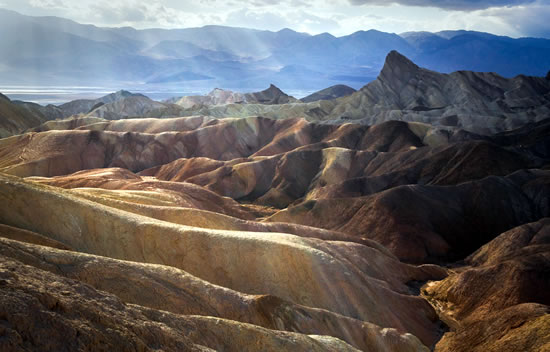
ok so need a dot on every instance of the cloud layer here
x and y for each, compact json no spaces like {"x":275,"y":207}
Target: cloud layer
{"x":340,"y":17}
{"x":461,"y":5}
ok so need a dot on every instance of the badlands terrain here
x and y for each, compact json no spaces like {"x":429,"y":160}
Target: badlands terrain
{"x":411,"y":215}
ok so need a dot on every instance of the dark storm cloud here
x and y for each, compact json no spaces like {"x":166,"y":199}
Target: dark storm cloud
{"x":462,"y":5}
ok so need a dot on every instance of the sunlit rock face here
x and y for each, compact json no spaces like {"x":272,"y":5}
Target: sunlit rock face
{"x":70,"y":314}
{"x":298,"y":269}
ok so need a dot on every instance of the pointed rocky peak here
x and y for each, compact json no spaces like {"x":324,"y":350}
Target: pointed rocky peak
{"x":394,"y":60}
{"x":273,"y":89}
{"x":118,"y":95}
{"x":333,"y":92}
{"x":272,"y":95}
{"x":215,"y":91}
{"x":124,"y":93}
{"x":397,"y":68}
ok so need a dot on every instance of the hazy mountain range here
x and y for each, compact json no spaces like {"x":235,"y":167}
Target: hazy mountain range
{"x":52,"y":50}
{"x":483,"y":103}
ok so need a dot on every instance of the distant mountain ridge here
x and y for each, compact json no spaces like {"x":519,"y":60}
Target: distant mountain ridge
{"x":270,"y":96}
{"x":483,"y":103}
{"x":65,"y":52}
{"x":86,"y":105}
{"x":476,"y":101}
{"x":479,"y":102}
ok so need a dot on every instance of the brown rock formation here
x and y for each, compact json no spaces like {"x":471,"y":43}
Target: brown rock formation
{"x":420,"y":223}
{"x":247,"y":234}
{"x":67,"y":314}
{"x":500,"y":301}
{"x":479,"y":102}
{"x":15,"y":119}
{"x":269,"y":96}
{"x":299,"y":270}
{"x":169,"y":289}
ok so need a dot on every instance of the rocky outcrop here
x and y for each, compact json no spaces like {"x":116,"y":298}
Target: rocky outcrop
{"x":83,"y":106}
{"x":216,"y":97}
{"x":478,"y":102}
{"x":484,"y":103}
{"x":135,"y":106}
{"x":500,"y":296}
{"x":39,"y":315}
{"x":270,"y":96}
{"x":165,"y":288}
{"x":15,"y":119}
{"x":290,"y":267}
{"x":330,"y":93}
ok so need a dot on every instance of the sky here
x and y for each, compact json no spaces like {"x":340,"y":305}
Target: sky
{"x":515,"y":18}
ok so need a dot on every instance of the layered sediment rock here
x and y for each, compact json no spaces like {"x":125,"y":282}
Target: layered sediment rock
{"x":250,"y":234}
{"x":499,"y":301}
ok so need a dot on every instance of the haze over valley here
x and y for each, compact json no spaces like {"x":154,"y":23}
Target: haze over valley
{"x":57,"y":52}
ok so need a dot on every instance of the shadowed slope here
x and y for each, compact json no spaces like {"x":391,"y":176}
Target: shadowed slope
{"x":293,"y":162}
{"x":419,"y":223}
{"x":500,"y":302}
{"x":15,"y":119}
